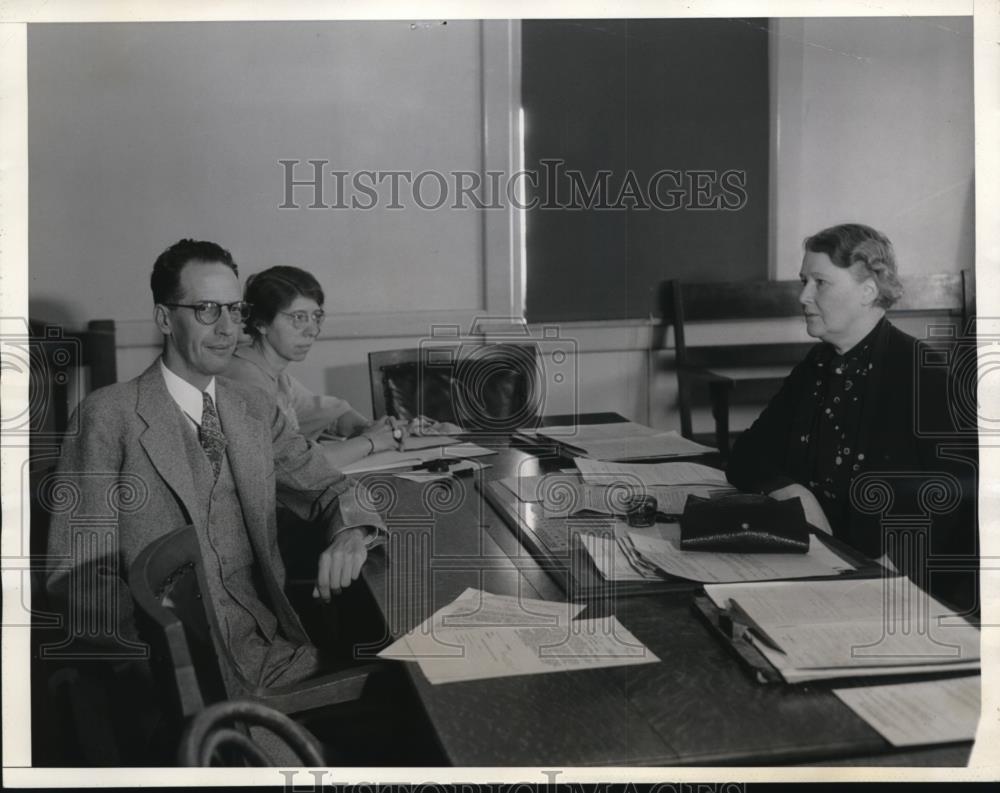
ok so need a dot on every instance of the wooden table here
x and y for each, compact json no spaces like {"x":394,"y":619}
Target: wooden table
{"x":697,"y":706}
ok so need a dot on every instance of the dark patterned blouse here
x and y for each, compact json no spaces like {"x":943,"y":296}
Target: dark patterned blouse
{"x":832,"y":446}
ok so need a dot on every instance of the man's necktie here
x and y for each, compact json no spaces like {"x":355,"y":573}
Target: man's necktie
{"x":210,"y":433}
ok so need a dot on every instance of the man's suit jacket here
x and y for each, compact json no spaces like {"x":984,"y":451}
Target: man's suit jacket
{"x":124,"y":479}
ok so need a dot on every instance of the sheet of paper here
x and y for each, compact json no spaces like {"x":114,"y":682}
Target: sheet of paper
{"x":391,"y":460}
{"x":583,"y":433}
{"x":432,"y":476}
{"x":871,"y":643}
{"x":611,"y":561}
{"x":667,"y":444}
{"x":649,"y":474}
{"x":790,"y":603}
{"x":570,"y":498}
{"x":912,"y":714}
{"x":792,"y":674}
{"x":480,"y":635}
{"x":482,"y":652}
{"x":665,"y":552}
{"x":477,"y":608}
{"x":413,"y":442}
{"x":466,"y":450}
{"x":861,"y":626}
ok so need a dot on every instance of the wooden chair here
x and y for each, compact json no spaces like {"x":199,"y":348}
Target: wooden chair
{"x":219,"y":731}
{"x":192,"y":663}
{"x":764,"y":366}
{"x":65,"y":365}
{"x":72,"y":704}
{"x":486,"y":387}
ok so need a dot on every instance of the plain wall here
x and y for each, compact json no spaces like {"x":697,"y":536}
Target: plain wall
{"x":874,"y":123}
{"x":142,"y":134}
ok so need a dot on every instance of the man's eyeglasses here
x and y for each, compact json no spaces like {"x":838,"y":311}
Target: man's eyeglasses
{"x":301,"y":318}
{"x":207,"y":312}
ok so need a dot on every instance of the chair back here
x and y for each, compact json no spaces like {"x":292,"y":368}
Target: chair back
{"x":480,"y":387}
{"x":946,"y":293}
{"x":219,"y":731}
{"x":951,"y":294}
{"x":64,"y":366}
{"x":192,"y":662}
{"x":170,"y":593}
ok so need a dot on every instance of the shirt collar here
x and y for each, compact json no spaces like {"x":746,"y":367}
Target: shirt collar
{"x":866,"y":342}
{"x":187,"y":397}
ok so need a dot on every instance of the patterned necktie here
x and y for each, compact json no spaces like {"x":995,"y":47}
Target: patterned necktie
{"x":210,"y":433}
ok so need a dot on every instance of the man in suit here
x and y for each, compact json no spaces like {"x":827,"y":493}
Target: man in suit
{"x":179,"y":445}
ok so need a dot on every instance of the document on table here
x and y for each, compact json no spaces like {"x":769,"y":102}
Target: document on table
{"x":664,"y":444}
{"x":853,"y":627}
{"x":433,"y":476}
{"x":622,"y":440}
{"x":533,"y":488}
{"x":481,"y":636}
{"x":663,"y":548}
{"x":564,"y":493}
{"x":582,"y":433}
{"x":390,"y":460}
{"x":595,"y":472}
{"x":414,"y":442}
{"x":914,"y":714}
{"x":611,"y":560}
{"x":613,"y":500}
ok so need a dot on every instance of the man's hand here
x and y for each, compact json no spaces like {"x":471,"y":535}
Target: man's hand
{"x":340,"y":564}
{"x":814,"y":512}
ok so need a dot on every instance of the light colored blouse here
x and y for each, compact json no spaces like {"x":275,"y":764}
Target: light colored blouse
{"x":311,"y":413}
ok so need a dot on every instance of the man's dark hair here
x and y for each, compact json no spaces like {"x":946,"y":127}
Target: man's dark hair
{"x":166,"y":277}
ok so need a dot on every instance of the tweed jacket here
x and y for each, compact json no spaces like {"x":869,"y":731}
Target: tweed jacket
{"x":124,"y":479}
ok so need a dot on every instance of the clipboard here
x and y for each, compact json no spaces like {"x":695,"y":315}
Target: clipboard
{"x":728,"y":627}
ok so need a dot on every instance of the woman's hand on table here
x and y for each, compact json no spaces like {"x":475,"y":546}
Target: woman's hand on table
{"x":814,"y":512}
{"x":379,"y":433}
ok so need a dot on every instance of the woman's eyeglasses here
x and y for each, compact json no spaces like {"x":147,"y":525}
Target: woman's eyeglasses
{"x":301,"y":318}
{"x":207,"y":312}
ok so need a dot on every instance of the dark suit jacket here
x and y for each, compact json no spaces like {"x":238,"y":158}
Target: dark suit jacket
{"x":124,"y":480}
{"x":910,"y":472}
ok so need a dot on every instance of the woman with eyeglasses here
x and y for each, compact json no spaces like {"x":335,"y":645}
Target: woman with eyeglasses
{"x":285,"y":319}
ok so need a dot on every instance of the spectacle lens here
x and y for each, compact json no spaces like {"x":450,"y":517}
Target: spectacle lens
{"x":301,"y":318}
{"x":207,"y":312}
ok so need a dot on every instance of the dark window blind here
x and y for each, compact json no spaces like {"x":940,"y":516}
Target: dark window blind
{"x":649,"y":141}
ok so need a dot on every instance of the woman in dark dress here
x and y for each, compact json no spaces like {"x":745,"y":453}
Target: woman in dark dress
{"x":841,"y":434}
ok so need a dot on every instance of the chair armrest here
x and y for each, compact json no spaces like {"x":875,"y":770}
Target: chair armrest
{"x":334,"y":688}
{"x":703,"y":373}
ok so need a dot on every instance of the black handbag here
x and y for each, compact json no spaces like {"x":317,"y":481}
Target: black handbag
{"x":744,"y":523}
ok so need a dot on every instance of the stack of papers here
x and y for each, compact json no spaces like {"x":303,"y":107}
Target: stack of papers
{"x":565,"y":493}
{"x":625,"y":440}
{"x":392,"y":460}
{"x":649,"y":474}
{"x":631,"y":554}
{"x":435,"y":476}
{"x":480,"y":635}
{"x":819,"y":630}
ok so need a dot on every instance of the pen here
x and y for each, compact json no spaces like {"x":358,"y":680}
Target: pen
{"x":397,"y":434}
{"x":751,"y":624}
